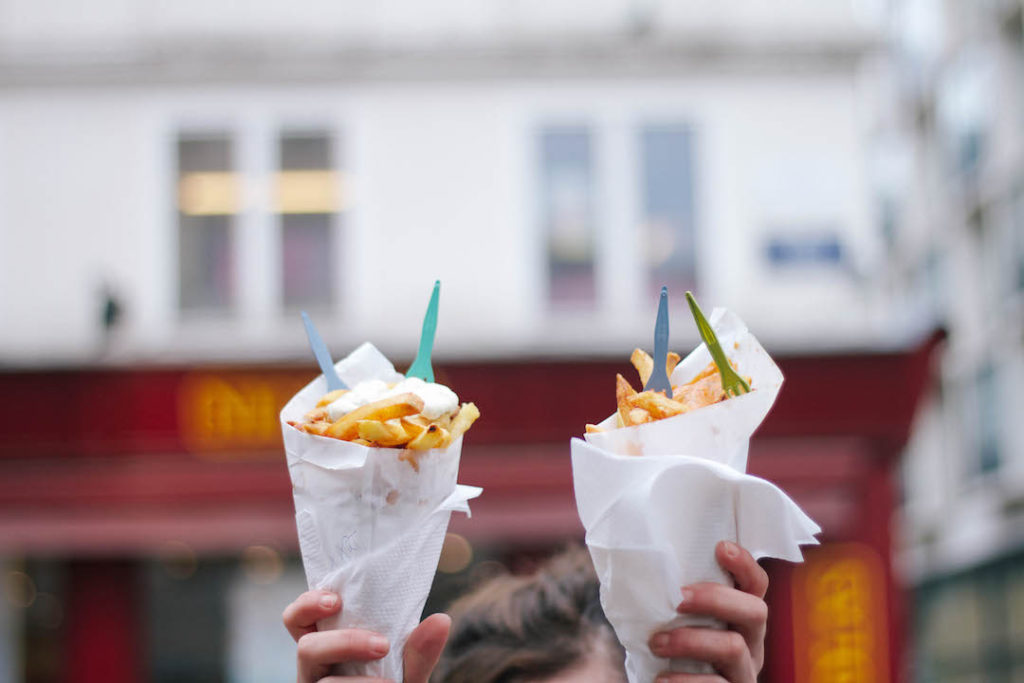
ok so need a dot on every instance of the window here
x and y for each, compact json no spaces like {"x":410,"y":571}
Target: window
{"x":208,"y":203}
{"x":567,"y":214}
{"x":667,"y":213}
{"x":1017,"y":231}
{"x":988,"y":402}
{"x":307,"y":201}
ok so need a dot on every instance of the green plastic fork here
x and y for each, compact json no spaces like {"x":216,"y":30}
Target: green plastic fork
{"x":421,"y":366}
{"x":732,"y":383}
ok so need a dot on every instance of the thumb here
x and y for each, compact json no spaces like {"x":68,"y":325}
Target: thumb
{"x":424,"y":647}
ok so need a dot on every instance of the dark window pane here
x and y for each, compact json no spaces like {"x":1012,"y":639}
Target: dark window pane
{"x":308,"y":205}
{"x":988,"y":419}
{"x":567,"y":214}
{"x":667,"y":210}
{"x":305,"y":151}
{"x":204,"y":154}
{"x":206,"y":263}
{"x":207,"y":200}
{"x":306,"y":250}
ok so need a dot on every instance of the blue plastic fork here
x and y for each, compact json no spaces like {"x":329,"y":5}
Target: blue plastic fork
{"x":322,"y":355}
{"x":658,"y":381}
{"x":421,"y":367}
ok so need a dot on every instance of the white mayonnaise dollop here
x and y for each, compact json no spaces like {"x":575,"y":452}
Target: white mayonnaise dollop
{"x":437,"y":399}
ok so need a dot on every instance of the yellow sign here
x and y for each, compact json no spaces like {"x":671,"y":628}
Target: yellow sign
{"x":840,"y":620}
{"x":219,"y":412}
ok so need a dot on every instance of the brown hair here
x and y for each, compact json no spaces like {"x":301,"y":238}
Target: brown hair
{"x":515,"y":629}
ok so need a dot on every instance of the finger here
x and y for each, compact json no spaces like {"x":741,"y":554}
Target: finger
{"x":725,"y":650}
{"x":750,"y":578}
{"x":674,"y":677}
{"x":319,"y":650}
{"x":301,"y":616}
{"x":743,"y":612}
{"x":424,"y":647}
{"x":353,"y":679}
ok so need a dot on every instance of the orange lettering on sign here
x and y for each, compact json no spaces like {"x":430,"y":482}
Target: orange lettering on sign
{"x":840,"y":620}
{"x":219,"y":412}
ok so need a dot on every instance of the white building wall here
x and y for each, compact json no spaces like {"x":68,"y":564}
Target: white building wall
{"x":444,"y":184}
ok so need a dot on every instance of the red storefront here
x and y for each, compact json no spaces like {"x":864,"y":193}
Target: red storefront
{"x":101,"y":467}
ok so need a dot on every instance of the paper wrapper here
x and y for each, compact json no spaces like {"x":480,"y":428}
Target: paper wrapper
{"x":652,"y":522}
{"x":370,"y":525}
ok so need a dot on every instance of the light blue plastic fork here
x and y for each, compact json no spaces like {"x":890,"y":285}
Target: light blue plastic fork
{"x":658,"y":381}
{"x":322,"y":355}
{"x":421,"y":367}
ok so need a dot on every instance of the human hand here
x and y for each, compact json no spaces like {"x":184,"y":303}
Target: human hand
{"x":737,"y":654}
{"x":318,"y":651}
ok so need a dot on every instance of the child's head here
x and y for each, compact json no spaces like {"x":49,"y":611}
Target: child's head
{"x":547,"y":626}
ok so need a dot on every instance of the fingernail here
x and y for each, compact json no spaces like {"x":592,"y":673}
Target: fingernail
{"x":659,"y":642}
{"x":328,"y":600}
{"x":379,"y":645}
{"x":731,"y":549}
{"x":686,"y":595}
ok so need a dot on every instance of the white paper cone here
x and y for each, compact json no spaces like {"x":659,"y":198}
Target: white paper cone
{"x":652,"y":522}
{"x":370,"y":525}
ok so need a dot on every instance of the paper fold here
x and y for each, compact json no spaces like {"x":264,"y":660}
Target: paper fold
{"x":656,"y":499}
{"x":370,"y":524}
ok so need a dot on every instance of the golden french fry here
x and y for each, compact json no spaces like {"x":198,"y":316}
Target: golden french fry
{"x":708,"y":371}
{"x":657,"y":404}
{"x":643,"y":363}
{"x":638,"y":416}
{"x":318,"y":428}
{"x":403,"y":405}
{"x":467,"y":415}
{"x":593,"y":428}
{"x":431,"y":437}
{"x":671,"y":361}
{"x":413,"y":427}
{"x":363,"y":442}
{"x":330,"y":397}
{"x":623,"y":390}
{"x":384,"y":434}
{"x":418,"y":420}
{"x":315,"y":415}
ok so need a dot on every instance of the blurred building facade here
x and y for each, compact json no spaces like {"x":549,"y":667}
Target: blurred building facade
{"x":178,"y":180}
{"x":957,"y":217}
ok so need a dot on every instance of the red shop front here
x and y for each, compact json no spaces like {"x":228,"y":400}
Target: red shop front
{"x":102,"y":467}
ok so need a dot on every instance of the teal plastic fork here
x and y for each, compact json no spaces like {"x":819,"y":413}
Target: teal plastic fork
{"x":421,"y":367}
{"x":732,"y":383}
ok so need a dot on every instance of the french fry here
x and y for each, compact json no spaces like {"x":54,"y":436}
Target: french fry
{"x":315,"y":415}
{"x":385,"y":434}
{"x":638,"y":416}
{"x":403,"y":405}
{"x":623,"y":390}
{"x":643,"y":363}
{"x":593,"y":428}
{"x":657,"y":404}
{"x":431,"y":437}
{"x":467,"y":415}
{"x":318,"y":428}
{"x":362,"y":442}
{"x":413,"y":427}
{"x":671,"y":361}
{"x":419,"y":420}
{"x":330,"y":397}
